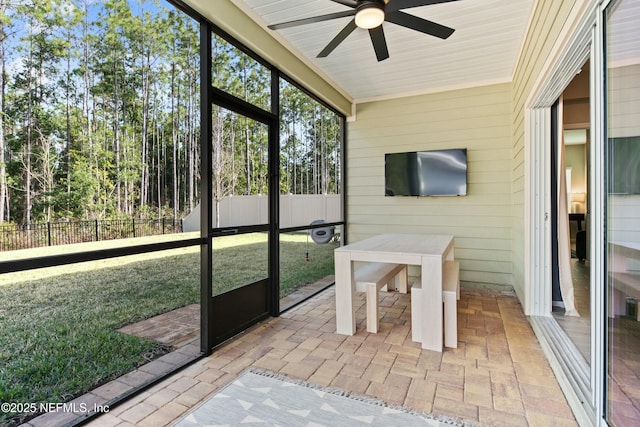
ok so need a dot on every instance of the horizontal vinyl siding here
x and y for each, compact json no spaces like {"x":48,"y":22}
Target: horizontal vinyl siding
{"x":477,"y":119}
{"x":624,"y":101}
{"x":623,"y":219}
{"x":546,"y":24}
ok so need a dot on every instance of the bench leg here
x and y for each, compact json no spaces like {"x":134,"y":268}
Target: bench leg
{"x":450,"y":320}
{"x":401,"y":281}
{"x":372,"y":308}
{"x":416,"y":317}
{"x":617,"y":304}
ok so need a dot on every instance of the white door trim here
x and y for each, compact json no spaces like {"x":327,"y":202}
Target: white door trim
{"x":580,"y":40}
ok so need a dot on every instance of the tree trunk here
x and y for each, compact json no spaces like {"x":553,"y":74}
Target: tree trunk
{"x":3,"y":86}
{"x":28,"y":185}
{"x":116,"y":135}
{"x":93,"y":168}
{"x":174,"y":139}
{"x":68,"y":124}
{"x":144,"y":178}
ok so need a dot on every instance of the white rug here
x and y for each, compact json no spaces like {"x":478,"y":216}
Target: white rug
{"x":259,"y":398}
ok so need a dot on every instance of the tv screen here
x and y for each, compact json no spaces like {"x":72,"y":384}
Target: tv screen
{"x":624,"y":164}
{"x":426,"y":173}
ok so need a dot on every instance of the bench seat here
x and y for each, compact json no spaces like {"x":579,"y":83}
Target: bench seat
{"x":373,"y":277}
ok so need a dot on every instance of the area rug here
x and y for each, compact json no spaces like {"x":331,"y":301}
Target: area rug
{"x":262,"y":398}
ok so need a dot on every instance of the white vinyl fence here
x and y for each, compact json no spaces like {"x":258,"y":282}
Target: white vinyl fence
{"x":295,"y":210}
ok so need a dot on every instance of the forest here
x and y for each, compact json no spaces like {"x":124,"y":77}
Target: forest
{"x":100,"y":115}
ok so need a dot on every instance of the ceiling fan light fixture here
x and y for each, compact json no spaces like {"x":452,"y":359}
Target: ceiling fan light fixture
{"x":370,"y":15}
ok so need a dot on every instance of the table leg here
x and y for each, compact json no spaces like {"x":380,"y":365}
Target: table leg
{"x":401,"y":281}
{"x":450,"y":254}
{"x":432,"y":324}
{"x":345,"y":310}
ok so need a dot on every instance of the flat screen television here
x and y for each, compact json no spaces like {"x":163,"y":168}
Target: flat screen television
{"x":426,"y":173}
{"x":624,"y":165}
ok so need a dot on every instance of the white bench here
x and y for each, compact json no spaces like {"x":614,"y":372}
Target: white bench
{"x":450,"y":295}
{"x":375,"y":276}
{"x":624,"y":277}
{"x":625,"y":285}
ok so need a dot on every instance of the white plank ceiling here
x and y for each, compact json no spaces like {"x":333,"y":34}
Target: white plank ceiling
{"x":483,"y":49}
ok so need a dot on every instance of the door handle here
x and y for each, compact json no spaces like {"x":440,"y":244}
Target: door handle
{"x":225,"y":232}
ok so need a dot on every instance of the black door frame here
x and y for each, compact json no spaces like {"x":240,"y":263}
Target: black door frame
{"x":221,"y":317}
{"x":210,"y":95}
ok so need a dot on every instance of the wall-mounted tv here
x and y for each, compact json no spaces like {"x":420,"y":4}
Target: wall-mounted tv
{"x":624,"y":165}
{"x":426,"y":173}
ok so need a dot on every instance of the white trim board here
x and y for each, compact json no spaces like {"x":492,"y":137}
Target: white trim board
{"x":579,"y":41}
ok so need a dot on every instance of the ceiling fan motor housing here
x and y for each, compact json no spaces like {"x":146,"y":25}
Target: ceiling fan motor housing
{"x":370,"y":14}
{"x":365,"y":3}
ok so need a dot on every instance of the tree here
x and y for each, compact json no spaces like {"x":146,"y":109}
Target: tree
{"x":5,"y":28}
{"x":100,"y":118}
{"x":34,"y":90}
{"x":223,"y":134}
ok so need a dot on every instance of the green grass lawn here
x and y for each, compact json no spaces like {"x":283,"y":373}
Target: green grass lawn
{"x":58,"y":324}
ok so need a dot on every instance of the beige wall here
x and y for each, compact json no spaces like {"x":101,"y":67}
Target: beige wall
{"x":624,"y":101}
{"x":477,"y":119}
{"x":547,"y":21}
{"x":490,"y":121}
{"x":576,"y":159}
{"x":489,"y":224}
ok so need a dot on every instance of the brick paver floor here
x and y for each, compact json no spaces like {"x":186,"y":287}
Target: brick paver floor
{"x":174,"y":328}
{"x":498,"y":375}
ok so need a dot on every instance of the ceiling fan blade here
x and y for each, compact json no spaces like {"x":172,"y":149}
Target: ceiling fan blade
{"x":338,"y":39}
{"x":419,"y":24}
{"x":312,"y":20}
{"x":379,"y":43}
{"x":395,"y":5}
{"x":350,"y":3}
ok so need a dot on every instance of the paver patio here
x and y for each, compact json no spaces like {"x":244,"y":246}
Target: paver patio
{"x":498,"y":375}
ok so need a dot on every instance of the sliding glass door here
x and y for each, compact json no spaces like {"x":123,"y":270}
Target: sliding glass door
{"x":623,"y":213}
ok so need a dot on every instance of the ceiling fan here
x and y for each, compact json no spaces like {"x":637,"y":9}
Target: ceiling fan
{"x":369,"y":15}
